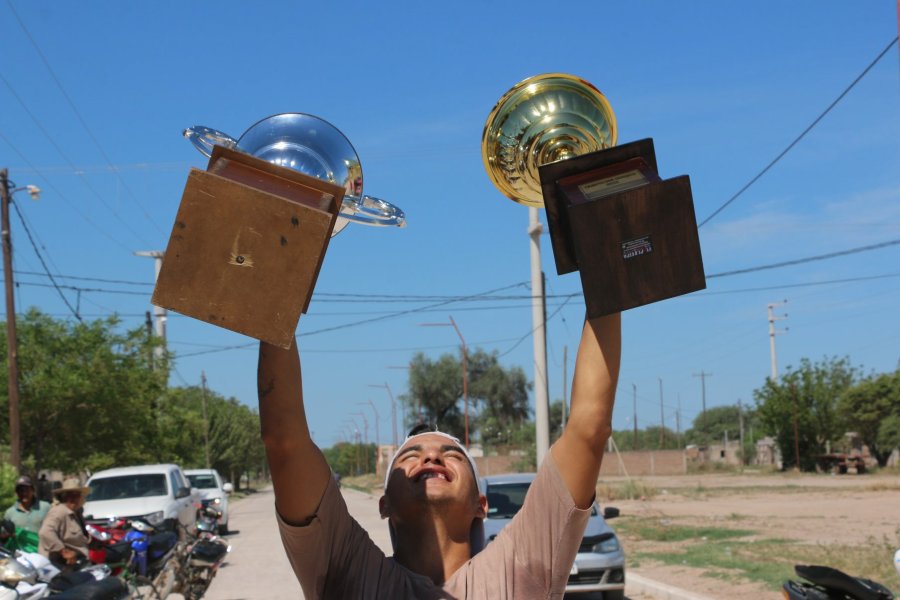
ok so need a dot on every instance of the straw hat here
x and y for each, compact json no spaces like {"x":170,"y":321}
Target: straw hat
{"x":72,"y":485}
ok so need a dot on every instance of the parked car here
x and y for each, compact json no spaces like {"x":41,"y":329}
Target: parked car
{"x":160,"y":494}
{"x":213,"y":492}
{"x":600,"y":562}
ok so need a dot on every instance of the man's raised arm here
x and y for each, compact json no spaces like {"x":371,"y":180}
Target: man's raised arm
{"x":579,"y":450}
{"x":299,"y":471}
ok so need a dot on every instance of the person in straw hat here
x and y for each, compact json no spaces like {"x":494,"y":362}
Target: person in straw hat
{"x":431,"y":497}
{"x":63,"y":538}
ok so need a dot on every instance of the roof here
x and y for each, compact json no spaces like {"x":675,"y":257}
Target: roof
{"x":135,"y":470}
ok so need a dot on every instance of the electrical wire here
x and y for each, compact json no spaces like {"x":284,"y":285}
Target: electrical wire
{"x":799,"y":261}
{"x":799,"y":137}
{"x":44,"y":264}
{"x":74,"y":108}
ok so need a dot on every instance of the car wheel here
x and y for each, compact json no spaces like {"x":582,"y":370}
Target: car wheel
{"x":223,"y":528}
{"x":614,"y":595}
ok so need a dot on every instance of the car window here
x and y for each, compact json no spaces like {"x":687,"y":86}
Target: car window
{"x":173,"y":479}
{"x":204,"y":481}
{"x":505,"y":499}
{"x":128,"y":486}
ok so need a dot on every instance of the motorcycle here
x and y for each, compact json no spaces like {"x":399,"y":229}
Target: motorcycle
{"x":30,"y":576}
{"x":825,"y":583}
{"x":137,"y":551}
{"x":205,"y":554}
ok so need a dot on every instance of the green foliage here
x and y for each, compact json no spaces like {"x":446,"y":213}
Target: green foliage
{"x":8,"y":478}
{"x":808,"y":395}
{"x":93,"y":398}
{"x":348,"y":459}
{"x":647,"y":439}
{"x":82,"y":386}
{"x":871,"y":408}
{"x":498,"y":396}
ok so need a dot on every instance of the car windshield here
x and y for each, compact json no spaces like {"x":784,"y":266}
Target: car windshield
{"x":128,"y":486}
{"x":505,"y":500}
{"x":203,"y":482}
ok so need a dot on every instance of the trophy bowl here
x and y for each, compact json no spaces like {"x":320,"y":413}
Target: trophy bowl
{"x":315,"y":147}
{"x":540,"y":120}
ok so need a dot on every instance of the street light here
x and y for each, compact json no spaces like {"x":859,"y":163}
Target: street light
{"x":7,"y":189}
{"x":452,"y":323}
{"x":375,"y":411}
{"x":393,"y":408}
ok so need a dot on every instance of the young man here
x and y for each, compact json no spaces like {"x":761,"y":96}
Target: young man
{"x":28,"y":512}
{"x":431,"y":501}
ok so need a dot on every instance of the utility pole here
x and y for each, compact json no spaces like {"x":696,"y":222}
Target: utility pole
{"x":796,"y":431}
{"x":393,"y":409}
{"x":678,"y":422}
{"x":634,"y":442}
{"x":702,"y":375}
{"x":772,"y":333}
{"x":565,"y":397}
{"x":205,"y":418}
{"x":12,"y":355}
{"x":365,"y":439}
{"x":375,"y":411}
{"x":539,"y":335}
{"x":159,"y":313}
{"x":741,"y":429}
{"x":662,"y":418}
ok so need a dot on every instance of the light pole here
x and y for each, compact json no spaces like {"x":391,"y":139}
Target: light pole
{"x":365,"y":440}
{"x":7,"y":189}
{"x":393,"y":409}
{"x":465,"y":358}
{"x":159,"y":313}
{"x":375,"y":412}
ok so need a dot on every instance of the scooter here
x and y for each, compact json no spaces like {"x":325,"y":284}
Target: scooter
{"x":205,"y":554}
{"x":825,"y":583}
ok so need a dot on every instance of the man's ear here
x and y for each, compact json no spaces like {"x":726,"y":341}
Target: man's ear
{"x":482,"y":506}
{"x":384,"y":508}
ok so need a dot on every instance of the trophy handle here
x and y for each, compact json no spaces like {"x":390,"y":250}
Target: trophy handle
{"x":369,"y":210}
{"x":204,"y":138}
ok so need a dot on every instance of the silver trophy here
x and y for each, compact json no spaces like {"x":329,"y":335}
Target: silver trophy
{"x":314,"y":147}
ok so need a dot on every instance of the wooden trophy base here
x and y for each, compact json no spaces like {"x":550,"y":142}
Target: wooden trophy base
{"x":247,"y":245}
{"x":632,"y":236}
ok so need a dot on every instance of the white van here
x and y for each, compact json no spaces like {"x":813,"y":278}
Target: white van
{"x":160,"y":494}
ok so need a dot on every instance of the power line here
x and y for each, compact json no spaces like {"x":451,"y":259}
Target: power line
{"x":801,"y":136}
{"x":806,"y":260}
{"x":78,"y":113}
{"x":64,"y":198}
{"x":41,"y":258}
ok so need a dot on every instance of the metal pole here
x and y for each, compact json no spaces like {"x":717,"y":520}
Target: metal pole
{"x":772,"y":333}
{"x":465,"y":359}
{"x":634,"y":407}
{"x":662,"y":418}
{"x":565,"y":398}
{"x":377,"y":431}
{"x":541,"y":394}
{"x":159,"y":313}
{"x":12,"y":356}
{"x":205,"y":418}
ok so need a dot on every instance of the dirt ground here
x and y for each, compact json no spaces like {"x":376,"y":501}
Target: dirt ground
{"x":818,"y":510}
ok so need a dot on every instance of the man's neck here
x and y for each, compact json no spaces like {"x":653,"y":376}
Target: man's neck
{"x":431,"y":548}
{"x":27,"y":505}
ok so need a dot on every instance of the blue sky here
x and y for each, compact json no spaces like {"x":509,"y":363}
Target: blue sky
{"x":95,"y":95}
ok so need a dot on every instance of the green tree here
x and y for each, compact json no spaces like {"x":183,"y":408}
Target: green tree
{"x":85,"y":388}
{"x":499,"y":396}
{"x":348,"y":459}
{"x":805,"y":400}
{"x":869,"y":406}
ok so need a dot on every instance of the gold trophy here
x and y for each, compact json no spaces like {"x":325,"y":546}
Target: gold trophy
{"x":551,"y":141}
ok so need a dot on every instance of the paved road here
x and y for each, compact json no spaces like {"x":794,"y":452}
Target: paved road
{"x":257,"y":568}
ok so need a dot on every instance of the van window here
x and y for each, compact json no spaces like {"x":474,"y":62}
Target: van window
{"x":173,"y":479}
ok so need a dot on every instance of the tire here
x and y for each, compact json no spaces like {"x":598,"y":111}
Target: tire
{"x":223,"y":529}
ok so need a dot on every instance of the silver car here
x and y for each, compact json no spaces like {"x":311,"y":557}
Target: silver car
{"x":600,"y":563}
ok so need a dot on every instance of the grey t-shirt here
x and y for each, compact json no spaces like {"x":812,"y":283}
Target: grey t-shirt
{"x":333,"y":556}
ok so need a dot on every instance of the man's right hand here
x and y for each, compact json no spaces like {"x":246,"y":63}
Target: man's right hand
{"x":299,"y":470}
{"x":70,"y":556}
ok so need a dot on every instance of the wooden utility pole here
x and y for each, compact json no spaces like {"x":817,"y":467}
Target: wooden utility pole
{"x":634,"y":442}
{"x":12,"y":355}
{"x":702,"y":375}
{"x":205,"y":418}
{"x":662,"y":418}
{"x":796,"y":430}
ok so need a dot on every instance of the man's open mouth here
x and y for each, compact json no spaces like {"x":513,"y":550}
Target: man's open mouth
{"x":432,"y":475}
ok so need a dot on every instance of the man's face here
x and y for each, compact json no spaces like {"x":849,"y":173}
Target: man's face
{"x":25,"y":493}
{"x":431,"y":470}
